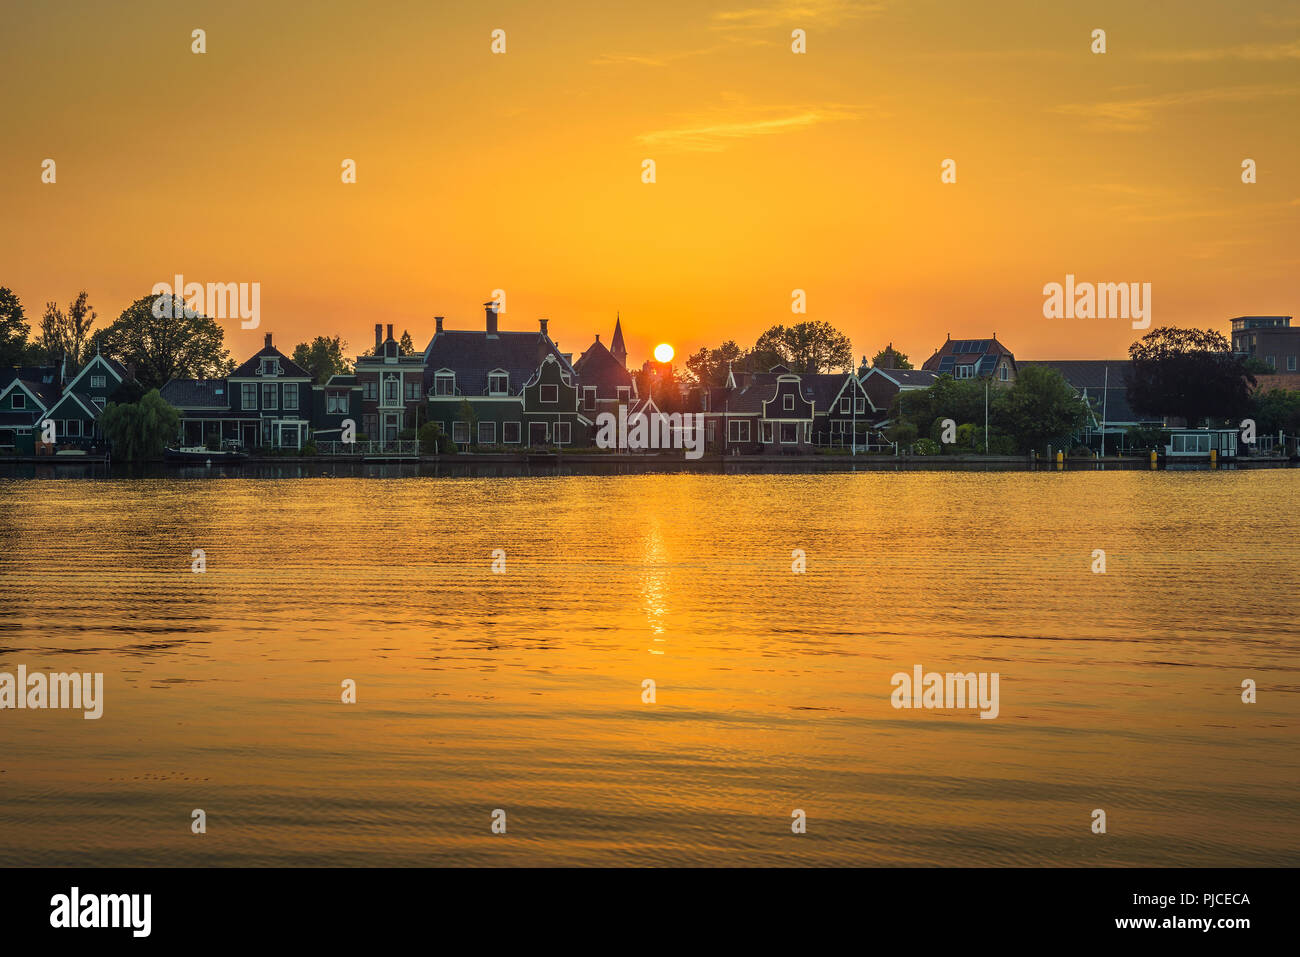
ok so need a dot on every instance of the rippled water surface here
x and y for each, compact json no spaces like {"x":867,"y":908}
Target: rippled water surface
{"x":523,"y":690}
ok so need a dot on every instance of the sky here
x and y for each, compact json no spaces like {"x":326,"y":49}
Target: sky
{"x":774,"y":170}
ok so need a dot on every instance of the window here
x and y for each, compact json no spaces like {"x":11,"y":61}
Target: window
{"x":72,"y":427}
{"x":1272,"y":361}
{"x":498,"y":383}
{"x":1004,"y":373}
{"x":624,"y":394}
{"x":412,"y":389}
{"x":370,"y":425}
{"x":788,"y":403}
{"x":98,"y":402}
{"x":710,"y":432}
{"x":563,"y":432}
{"x":1290,"y":363}
{"x":19,"y":400}
{"x":269,"y":397}
{"x":550,"y":393}
{"x":860,"y":405}
{"x":248,"y":395}
{"x":589,"y":397}
{"x":846,"y":404}
{"x":390,"y":389}
{"x":371,"y":389}
{"x":789,"y":432}
{"x":270,"y":366}
{"x":460,"y":433}
{"x":291,"y":397}
{"x":1192,"y":444}
{"x":336,"y":402}
{"x":738,"y":430}
{"x":487,"y":433}
{"x":444,"y":383}
{"x":767,"y":432}
{"x":97,"y":382}
{"x":964,"y":372}
{"x":511,"y":433}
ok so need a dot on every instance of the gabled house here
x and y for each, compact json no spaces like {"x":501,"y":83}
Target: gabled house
{"x":334,"y":404}
{"x":26,"y":394}
{"x":759,"y":412}
{"x":76,"y":413}
{"x":973,"y":359}
{"x":840,"y":408}
{"x":265,"y":403}
{"x":503,"y":387}
{"x":881,"y":385}
{"x":603,"y":378}
{"x":393,"y":388}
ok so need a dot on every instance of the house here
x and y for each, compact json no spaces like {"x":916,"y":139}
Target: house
{"x":503,"y":387}
{"x":881,"y":384}
{"x":840,"y":408}
{"x":392,"y":387}
{"x":26,"y":394}
{"x":334,"y":404}
{"x":603,"y":378}
{"x":973,"y":359}
{"x":76,"y":413}
{"x":763,"y":412}
{"x":265,"y":403}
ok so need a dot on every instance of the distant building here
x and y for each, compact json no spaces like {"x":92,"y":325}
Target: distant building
{"x":881,"y":384}
{"x":973,"y":359}
{"x":1271,"y":339}
{"x":602,"y":374}
{"x":1103,"y":384}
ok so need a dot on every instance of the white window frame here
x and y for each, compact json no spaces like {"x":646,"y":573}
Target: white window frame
{"x":98,"y":381}
{"x":460,"y":433}
{"x":1004,"y":372}
{"x":270,"y":391}
{"x":444,"y":377}
{"x":860,"y":405}
{"x":505,"y":389}
{"x":542,"y":393}
{"x":768,"y":433}
{"x":787,"y":402}
{"x":18,"y":399}
{"x":624,"y":393}
{"x":491,"y":435}
{"x":290,"y":399}
{"x":270,"y":366}
{"x":790,"y":425}
{"x":965,"y":372}
{"x":98,"y":401}
{"x":734,"y":431}
{"x":244,"y":388}
{"x":563,"y":433}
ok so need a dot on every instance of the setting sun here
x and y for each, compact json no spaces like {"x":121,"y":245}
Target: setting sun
{"x":663,"y":352}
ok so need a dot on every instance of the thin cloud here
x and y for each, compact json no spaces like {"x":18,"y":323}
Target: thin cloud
{"x":786,"y":12}
{"x":714,"y":137}
{"x":1255,"y":52}
{"x":1138,"y":114}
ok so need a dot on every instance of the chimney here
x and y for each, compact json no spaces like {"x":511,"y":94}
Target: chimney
{"x":437,"y":324}
{"x":598,"y":337}
{"x":542,"y":323}
{"x":379,"y":337}
{"x":390,"y":330}
{"x":268,"y":341}
{"x":491,"y":308}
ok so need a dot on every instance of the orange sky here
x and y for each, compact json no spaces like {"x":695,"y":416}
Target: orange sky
{"x":775,"y":171}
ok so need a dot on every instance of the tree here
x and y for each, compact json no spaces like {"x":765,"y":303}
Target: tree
{"x":13,"y":330}
{"x":810,"y":347}
{"x":708,"y":367}
{"x":140,"y":430}
{"x":406,"y":345}
{"x":323,"y":357}
{"x":1041,"y":407}
{"x":1189,"y":373}
{"x":162,"y":347}
{"x":1275,"y":410}
{"x":67,"y":334}
{"x":891,"y":358}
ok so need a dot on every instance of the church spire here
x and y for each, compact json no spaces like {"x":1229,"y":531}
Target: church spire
{"x":616,"y":347}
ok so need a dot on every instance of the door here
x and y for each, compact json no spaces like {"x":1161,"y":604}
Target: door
{"x":537,"y":433}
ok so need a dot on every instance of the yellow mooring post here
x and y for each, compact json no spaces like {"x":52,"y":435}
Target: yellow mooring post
{"x":1153,"y":458}
{"x":1060,"y":459}
{"x":1214,"y":458}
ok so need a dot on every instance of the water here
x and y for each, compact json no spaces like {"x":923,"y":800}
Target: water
{"x":523,"y":690}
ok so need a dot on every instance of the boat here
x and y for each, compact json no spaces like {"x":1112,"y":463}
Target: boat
{"x":198,"y":454}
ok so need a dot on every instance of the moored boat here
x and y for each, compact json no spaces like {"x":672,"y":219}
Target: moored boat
{"x":200,"y":454}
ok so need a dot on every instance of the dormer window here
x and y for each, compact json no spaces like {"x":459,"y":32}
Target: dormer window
{"x":498,"y":383}
{"x":270,"y":366}
{"x":1003,"y":372}
{"x":964,"y":372}
{"x":444,"y":383}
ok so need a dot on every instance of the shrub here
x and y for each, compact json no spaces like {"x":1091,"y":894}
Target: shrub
{"x":927,"y":447}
